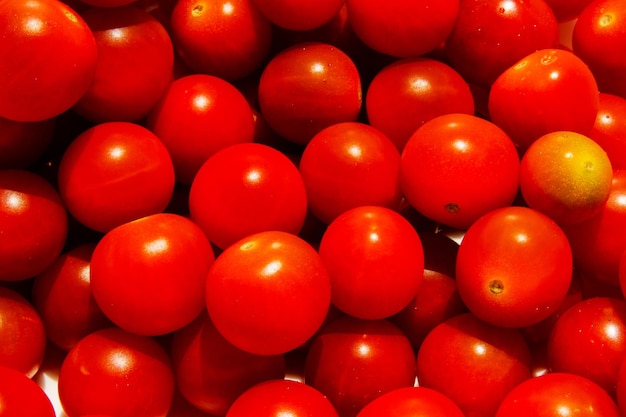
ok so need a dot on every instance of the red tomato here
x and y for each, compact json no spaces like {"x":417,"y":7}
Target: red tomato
{"x":609,"y":130}
{"x":22,"y":144}
{"x":412,"y":402}
{"x":403,"y":28}
{"x":354,"y":361}
{"x":47,"y":59}
{"x":21,"y":396}
{"x":148,"y":275}
{"x":299,"y":14}
{"x":268,"y":293}
{"x":589,"y":339}
{"x":457,"y":167}
{"x":33,"y":224}
{"x":382,"y":271}
{"x":282,"y":398}
{"x":558,"y":394}
{"x":548,"y":90}
{"x":347,"y":165}
{"x":566,"y":10}
{"x":407,"y":93}
{"x":620,"y":393}
{"x":490,"y":36}
{"x":308,"y":87}
{"x":229,"y":39}
{"x":197,"y":116}
{"x":600,"y":30}
{"x":245,"y":189}
{"x":135,"y":63}
{"x":473,"y":363}
{"x":211,"y":373}
{"x":111,"y":371}
{"x":113,"y":173}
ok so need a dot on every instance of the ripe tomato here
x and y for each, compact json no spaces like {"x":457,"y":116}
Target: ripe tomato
{"x":490,"y":36}
{"x":111,"y":371}
{"x":347,"y":165}
{"x":47,"y":59}
{"x":298,"y":14}
{"x":412,"y":402}
{"x":229,"y":39}
{"x":473,"y":363}
{"x":21,"y":396}
{"x":148,"y":275}
{"x":268,"y":293}
{"x":22,"y":144}
{"x":33,"y":224}
{"x":620,"y":391}
{"x":567,"y":10}
{"x":558,"y":394}
{"x":609,"y":130}
{"x":308,"y":87}
{"x":113,"y":173}
{"x":403,"y":28}
{"x":548,"y":90}
{"x":408,"y":92}
{"x":354,"y":361}
{"x":382,"y":271}
{"x":457,"y":167}
{"x":244,"y":189}
{"x":197,"y":116}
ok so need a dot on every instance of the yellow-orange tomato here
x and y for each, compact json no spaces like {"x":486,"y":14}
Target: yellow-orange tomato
{"x":565,"y":175}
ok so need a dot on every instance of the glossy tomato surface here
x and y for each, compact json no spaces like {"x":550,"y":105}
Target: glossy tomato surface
{"x":297,"y":14}
{"x":609,"y":130}
{"x":412,"y":402}
{"x":21,"y":396}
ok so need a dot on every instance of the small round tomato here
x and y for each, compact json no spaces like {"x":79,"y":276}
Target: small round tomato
{"x":308,"y":87}
{"x":403,"y":28}
{"x":382,"y":271}
{"x":113,"y":173}
{"x":148,"y":275}
{"x":244,"y":189}
{"x":198,"y":115}
{"x":22,"y":144}
{"x":229,"y":39}
{"x":407,"y":93}
{"x":34,"y":224}
{"x":111,"y":371}
{"x":268,"y":293}
{"x":48,"y":59}
{"x":21,"y":396}
{"x":412,"y":402}
{"x":457,"y":167}
{"x":548,"y":90}
{"x":298,"y":14}
{"x":609,"y":130}
{"x":347,"y":165}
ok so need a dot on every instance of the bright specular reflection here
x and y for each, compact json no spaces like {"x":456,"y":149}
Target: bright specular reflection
{"x":480,"y":349}
{"x":317,"y":68}
{"x":156,"y":246}
{"x":228,"y":8}
{"x":363,"y":349}
{"x":612,"y":331}
{"x":13,"y":201}
{"x":253,"y":176}
{"x":117,"y":152}
{"x":272,"y":268}
{"x":201,"y":102}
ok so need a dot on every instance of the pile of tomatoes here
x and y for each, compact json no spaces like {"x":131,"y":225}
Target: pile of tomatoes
{"x":331,"y":208}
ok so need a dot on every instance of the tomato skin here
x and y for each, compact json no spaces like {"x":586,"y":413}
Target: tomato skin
{"x":268,"y":293}
{"x":49,"y":54}
{"x":453,"y":158}
{"x":408,"y":92}
{"x":21,"y":396}
{"x":556,"y":394}
{"x":134,"y":67}
{"x":412,"y":402}
{"x":198,"y":115}
{"x":111,"y":371}
{"x":113,"y":173}
{"x":34,"y":224}
{"x":567,"y":10}
{"x":297,"y":14}
{"x":148,"y":275}
{"x":308,"y":87}
{"x":609,"y":130}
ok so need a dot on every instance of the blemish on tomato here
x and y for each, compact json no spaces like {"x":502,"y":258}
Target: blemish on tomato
{"x":452,"y":208}
{"x":496,"y":286}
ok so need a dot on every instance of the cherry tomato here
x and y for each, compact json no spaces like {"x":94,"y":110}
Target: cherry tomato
{"x":457,"y":167}
{"x":609,"y":130}
{"x":567,"y":10}
{"x":558,"y":394}
{"x":197,"y":116}
{"x":412,"y":402}
{"x":297,"y":14}
{"x":245,"y":189}
{"x":22,"y":144}
{"x":473,"y":363}
{"x":148,"y":275}
{"x":113,"y":173}
{"x":308,"y":87}
{"x":229,"y":39}
{"x":408,"y":92}
{"x":211,"y":373}
{"x":21,"y":396}
{"x":282,"y":398}
{"x":48,"y":59}
{"x":347,"y":165}
{"x":382,"y":271}
{"x":33,"y":224}
{"x":111,"y":371}
{"x":354,"y":361}
{"x":490,"y":36}
{"x":548,"y":90}
{"x":268,"y":293}
{"x":403,"y":28}
{"x":134,"y":67}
